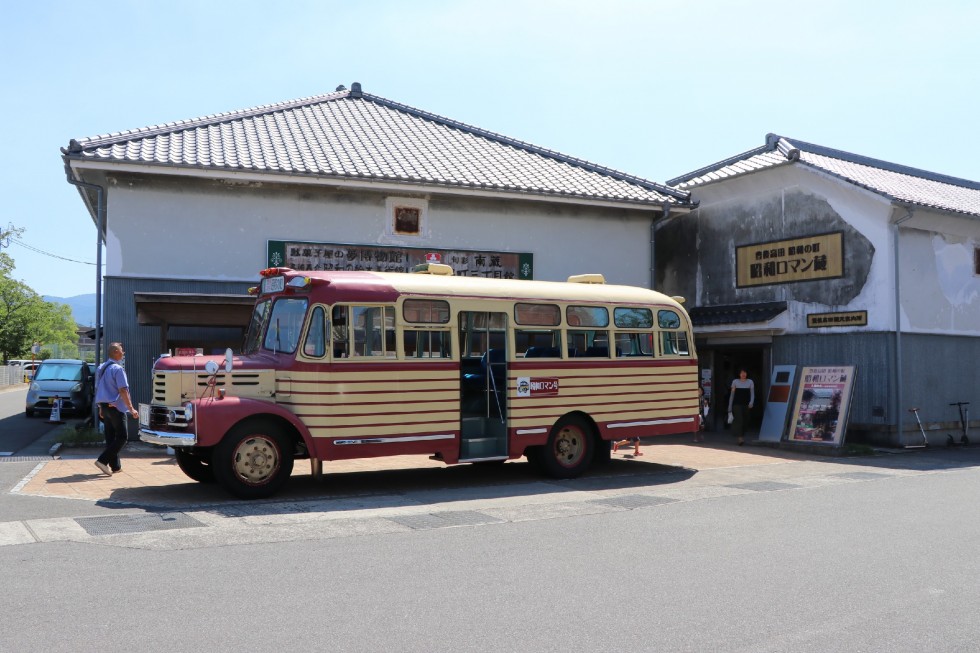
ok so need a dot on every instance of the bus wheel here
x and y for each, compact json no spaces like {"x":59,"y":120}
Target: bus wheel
{"x":253,"y":461}
{"x":569,"y":449}
{"x":197,"y":467}
{"x":603,"y":451}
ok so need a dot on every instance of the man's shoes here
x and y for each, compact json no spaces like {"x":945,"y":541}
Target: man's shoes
{"x":103,"y":467}
{"x":116,"y":471}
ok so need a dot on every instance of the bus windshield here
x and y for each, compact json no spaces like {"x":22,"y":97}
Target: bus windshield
{"x":256,"y":327}
{"x":285,"y":325}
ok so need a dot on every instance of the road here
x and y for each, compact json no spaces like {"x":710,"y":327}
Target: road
{"x":869,"y":554}
{"x":16,"y":429}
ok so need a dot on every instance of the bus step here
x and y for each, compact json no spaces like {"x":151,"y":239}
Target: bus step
{"x":482,"y":447}
{"x":482,"y":460}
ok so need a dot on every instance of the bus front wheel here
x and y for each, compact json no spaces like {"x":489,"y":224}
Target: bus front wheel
{"x":195,"y":466}
{"x":253,"y":461}
{"x":570,"y":447}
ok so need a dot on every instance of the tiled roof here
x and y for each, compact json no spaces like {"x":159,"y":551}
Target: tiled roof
{"x":899,"y":183}
{"x":352,"y":135}
{"x":702,"y":316}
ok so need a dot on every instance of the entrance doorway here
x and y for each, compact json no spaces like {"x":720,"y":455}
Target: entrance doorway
{"x":483,"y":385}
{"x":723,"y":363}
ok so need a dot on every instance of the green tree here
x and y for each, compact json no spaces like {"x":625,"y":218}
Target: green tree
{"x":26,"y":318}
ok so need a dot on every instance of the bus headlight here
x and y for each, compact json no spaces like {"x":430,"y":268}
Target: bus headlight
{"x":189,"y":411}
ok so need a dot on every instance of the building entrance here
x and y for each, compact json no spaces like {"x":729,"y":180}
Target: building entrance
{"x":719,"y":366}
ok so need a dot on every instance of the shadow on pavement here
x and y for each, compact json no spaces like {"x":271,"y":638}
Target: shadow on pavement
{"x":385,"y":488}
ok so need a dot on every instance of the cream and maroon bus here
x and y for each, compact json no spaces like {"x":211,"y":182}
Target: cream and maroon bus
{"x":340,"y":365}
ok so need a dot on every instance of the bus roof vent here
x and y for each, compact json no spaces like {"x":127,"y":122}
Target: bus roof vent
{"x":440,"y":269}
{"x":677,"y":298}
{"x":586,"y":278}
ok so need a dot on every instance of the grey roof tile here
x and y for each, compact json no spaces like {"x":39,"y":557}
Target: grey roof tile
{"x":356,"y":135}
{"x":896,"y":182}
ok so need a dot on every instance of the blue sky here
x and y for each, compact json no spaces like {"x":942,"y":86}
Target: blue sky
{"x":654,"y":88}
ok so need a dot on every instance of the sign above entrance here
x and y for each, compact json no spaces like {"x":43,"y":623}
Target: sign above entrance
{"x":806,"y":258}
{"x":300,"y":255}
{"x":850,"y":318}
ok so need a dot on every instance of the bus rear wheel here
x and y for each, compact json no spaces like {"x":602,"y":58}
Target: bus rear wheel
{"x":253,"y":461}
{"x":570,"y":448}
{"x":195,"y":466}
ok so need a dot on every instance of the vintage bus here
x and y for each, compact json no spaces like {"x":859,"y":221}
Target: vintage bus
{"x":340,"y":365}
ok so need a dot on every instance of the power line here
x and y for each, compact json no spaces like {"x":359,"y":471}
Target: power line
{"x":18,"y":241}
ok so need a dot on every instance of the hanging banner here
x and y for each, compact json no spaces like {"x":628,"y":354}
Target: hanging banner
{"x":300,"y":255}
{"x":822,"y":404}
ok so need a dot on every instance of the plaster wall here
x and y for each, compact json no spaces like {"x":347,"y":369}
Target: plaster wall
{"x":939,"y":286}
{"x":212,"y":230}
{"x":695,"y":254}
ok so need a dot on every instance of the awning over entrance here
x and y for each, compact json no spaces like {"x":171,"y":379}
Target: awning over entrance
{"x":167,"y":309}
{"x":712,"y":316}
{"x":186,"y":309}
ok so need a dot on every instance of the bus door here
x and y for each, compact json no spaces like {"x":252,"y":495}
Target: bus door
{"x":483,"y":385}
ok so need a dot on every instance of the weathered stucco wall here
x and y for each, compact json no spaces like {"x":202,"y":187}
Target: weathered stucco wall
{"x":211,"y":230}
{"x":695,"y":254}
{"x":939,"y":286}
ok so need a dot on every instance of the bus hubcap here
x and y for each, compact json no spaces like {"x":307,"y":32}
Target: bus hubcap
{"x":568,"y":446}
{"x":256,"y":459}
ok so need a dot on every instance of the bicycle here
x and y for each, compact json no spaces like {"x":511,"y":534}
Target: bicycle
{"x":964,"y":425}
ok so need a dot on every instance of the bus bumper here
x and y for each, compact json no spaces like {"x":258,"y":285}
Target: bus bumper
{"x":168,"y":439}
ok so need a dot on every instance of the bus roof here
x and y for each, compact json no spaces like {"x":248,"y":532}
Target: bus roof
{"x":388,"y":286}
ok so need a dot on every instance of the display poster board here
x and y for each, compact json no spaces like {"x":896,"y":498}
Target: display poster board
{"x":778,"y":403}
{"x":822,"y":403}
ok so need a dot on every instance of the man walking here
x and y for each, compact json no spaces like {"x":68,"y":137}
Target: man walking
{"x":112,"y":396}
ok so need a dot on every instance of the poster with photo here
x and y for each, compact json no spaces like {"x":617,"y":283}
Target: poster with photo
{"x":822,"y":403}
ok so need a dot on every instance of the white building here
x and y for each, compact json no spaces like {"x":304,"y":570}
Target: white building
{"x":799,"y":254}
{"x":191,"y":211}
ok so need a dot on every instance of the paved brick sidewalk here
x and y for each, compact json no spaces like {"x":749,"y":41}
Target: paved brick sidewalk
{"x":148,"y":471}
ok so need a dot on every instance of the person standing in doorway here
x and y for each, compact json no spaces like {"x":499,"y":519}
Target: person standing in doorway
{"x":740,"y":400}
{"x":115,"y":403}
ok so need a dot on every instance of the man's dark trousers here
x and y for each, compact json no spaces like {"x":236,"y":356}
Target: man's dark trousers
{"x":116,"y":435}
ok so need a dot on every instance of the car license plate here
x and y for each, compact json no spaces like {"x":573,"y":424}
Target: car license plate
{"x":144,"y":414}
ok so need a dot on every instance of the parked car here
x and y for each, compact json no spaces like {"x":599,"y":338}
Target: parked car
{"x":27,"y":370}
{"x":61,"y":378}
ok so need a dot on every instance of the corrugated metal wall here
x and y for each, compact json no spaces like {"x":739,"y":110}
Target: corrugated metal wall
{"x":937,"y":370}
{"x":871,"y":353}
{"x":142,"y":343}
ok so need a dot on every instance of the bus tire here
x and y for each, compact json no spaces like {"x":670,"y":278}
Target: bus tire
{"x":195,"y":466}
{"x":570,"y":448}
{"x":603,"y":451}
{"x":534,"y":455}
{"x":253,"y":460}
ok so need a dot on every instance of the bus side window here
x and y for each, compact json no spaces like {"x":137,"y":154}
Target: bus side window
{"x":633,"y":344}
{"x":339,"y":334}
{"x":675,"y":343}
{"x":427,"y":344}
{"x":537,"y":343}
{"x":374,"y":331}
{"x":315,"y":345}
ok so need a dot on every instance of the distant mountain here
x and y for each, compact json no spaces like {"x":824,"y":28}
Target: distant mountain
{"x":82,"y":307}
